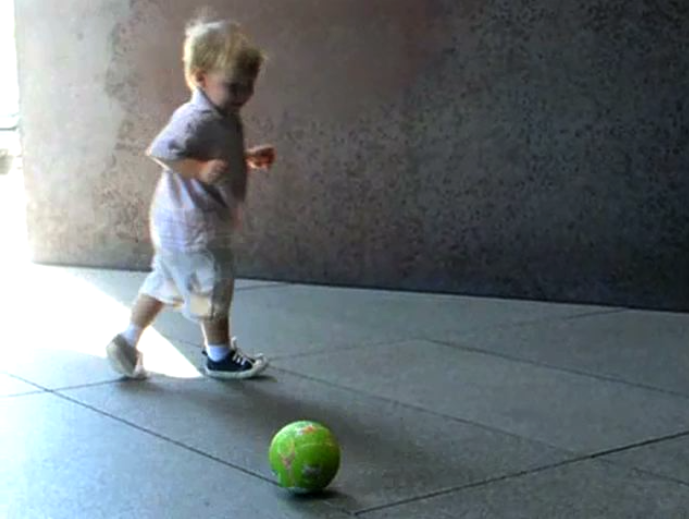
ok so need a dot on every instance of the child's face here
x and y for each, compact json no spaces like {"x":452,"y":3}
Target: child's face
{"x":227,"y":94}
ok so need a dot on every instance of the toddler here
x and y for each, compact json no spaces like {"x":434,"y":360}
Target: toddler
{"x":198,"y":202}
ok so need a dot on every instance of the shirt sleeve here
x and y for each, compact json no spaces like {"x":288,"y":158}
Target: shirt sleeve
{"x":185,"y":136}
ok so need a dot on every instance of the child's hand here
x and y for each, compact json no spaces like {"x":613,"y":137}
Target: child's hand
{"x":212,"y":171}
{"x":260,"y":157}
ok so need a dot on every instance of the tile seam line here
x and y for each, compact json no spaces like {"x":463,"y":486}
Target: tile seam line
{"x":489,"y":428}
{"x":132,"y":425}
{"x":162,"y":437}
{"x":423,"y":410}
{"x":562,"y":369}
{"x":597,"y":456}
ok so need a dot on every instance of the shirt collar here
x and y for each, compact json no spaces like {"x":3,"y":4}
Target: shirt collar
{"x":199,"y":98}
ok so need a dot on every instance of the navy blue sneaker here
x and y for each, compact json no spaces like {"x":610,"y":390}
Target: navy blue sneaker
{"x":236,"y":365}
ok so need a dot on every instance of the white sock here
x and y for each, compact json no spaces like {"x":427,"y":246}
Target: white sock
{"x":217,"y":352}
{"x":132,"y":335}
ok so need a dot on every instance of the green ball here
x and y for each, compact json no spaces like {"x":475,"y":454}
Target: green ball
{"x":304,"y":457}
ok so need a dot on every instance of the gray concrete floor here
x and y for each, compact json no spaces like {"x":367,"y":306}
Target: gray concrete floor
{"x":445,"y":407}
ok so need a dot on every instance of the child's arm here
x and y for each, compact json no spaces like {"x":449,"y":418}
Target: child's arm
{"x":188,"y":168}
{"x":208,"y":172}
{"x":180,"y":144}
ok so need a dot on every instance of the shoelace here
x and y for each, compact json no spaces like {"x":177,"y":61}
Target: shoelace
{"x":240,"y":358}
{"x":235,"y":347}
{"x":237,"y":353}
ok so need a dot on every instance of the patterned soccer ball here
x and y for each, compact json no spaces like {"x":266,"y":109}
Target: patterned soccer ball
{"x":304,"y":457}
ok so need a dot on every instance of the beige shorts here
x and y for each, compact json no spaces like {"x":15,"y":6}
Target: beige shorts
{"x":199,"y":284}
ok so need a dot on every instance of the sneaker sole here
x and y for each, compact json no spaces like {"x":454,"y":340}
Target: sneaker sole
{"x":239,"y":375}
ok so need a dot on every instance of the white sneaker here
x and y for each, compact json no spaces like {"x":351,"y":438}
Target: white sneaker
{"x":125,"y":359}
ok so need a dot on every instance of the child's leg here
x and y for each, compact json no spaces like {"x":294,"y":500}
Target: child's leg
{"x":216,"y":332}
{"x":145,"y":310}
{"x":157,"y":291}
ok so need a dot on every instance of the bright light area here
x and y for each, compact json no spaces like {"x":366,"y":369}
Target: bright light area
{"x":46,"y":308}
{"x":51,"y":311}
{"x":9,"y":93}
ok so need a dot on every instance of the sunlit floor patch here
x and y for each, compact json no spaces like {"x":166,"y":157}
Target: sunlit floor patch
{"x":51,"y":309}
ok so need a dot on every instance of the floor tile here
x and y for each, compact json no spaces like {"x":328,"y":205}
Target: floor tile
{"x":647,"y":348}
{"x":669,"y":458}
{"x":566,"y":410}
{"x":588,"y":490}
{"x":60,"y":460}
{"x":389,"y":451}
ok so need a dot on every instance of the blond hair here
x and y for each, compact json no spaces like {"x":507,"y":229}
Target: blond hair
{"x":219,"y":46}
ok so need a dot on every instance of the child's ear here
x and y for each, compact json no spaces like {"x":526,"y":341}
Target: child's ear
{"x":199,"y":78}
